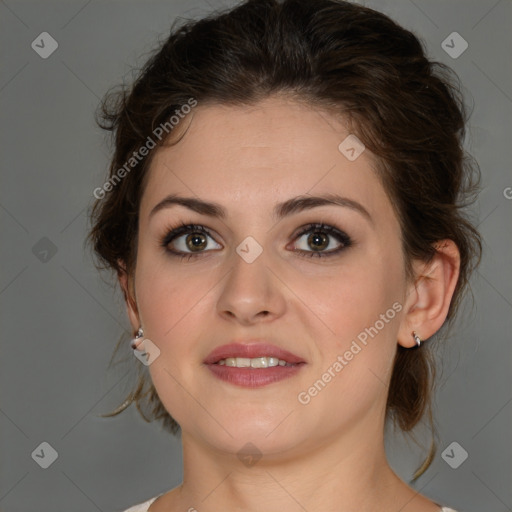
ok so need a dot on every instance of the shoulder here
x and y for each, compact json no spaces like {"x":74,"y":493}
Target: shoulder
{"x":143,"y":507}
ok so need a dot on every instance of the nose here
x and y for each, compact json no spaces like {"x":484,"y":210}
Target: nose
{"x":251,"y":292}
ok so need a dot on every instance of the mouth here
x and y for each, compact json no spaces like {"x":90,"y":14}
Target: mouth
{"x":255,"y":362}
{"x":255,"y":354}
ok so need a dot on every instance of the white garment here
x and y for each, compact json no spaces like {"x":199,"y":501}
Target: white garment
{"x":143,"y":507}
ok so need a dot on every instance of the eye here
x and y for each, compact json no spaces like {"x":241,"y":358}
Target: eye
{"x":190,"y":240}
{"x":320,"y":239}
{"x":187,"y":237}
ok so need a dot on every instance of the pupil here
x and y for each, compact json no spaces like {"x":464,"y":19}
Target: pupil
{"x":315,"y":238}
{"x":196,"y":238}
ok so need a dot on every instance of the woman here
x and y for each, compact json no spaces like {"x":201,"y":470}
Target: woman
{"x":284,"y":215}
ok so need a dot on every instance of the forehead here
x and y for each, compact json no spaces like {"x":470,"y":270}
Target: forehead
{"x":256,"y":156}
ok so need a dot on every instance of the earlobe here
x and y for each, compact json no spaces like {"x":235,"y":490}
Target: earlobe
{"x":429,"y":297}
{"x":129,"y":297}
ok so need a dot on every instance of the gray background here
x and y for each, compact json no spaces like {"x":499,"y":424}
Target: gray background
{"x":60,"y":320}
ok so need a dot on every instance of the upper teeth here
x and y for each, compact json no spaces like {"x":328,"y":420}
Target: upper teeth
{"x":255,"y":362}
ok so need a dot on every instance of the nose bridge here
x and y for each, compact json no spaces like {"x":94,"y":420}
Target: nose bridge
{"x":250,"y":287}
{"x":249,"y":263}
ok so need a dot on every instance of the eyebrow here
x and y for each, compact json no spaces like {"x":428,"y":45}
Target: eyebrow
{"x":281,"y":210}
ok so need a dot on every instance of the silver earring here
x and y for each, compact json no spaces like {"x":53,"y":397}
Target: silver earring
{"x":140,"y":334}
{"x":416,"y":338}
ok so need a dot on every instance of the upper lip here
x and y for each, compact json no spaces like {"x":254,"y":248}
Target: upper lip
{"x":250,"y":349}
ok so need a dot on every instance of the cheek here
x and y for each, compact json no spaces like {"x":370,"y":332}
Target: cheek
{"x":360,"y":309}
{"x":172,"y":304}
{"x":352,"y":298}
{"x":167,"y":294}
{"x":356,"y":353}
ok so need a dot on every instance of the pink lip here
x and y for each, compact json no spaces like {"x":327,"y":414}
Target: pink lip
{"x":253,"y":377}
{"x":251,"y":350}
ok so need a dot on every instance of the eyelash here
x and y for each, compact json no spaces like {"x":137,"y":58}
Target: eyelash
{"x":182,"y":229}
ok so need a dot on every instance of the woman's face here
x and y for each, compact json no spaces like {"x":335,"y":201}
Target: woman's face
{"x":253,"y":276}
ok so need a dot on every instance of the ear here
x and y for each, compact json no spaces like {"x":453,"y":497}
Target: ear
{"x":129,"y":296}
{"x":429,"y":297}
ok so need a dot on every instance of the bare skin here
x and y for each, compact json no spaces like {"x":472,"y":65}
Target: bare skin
{"x":327,"y":454}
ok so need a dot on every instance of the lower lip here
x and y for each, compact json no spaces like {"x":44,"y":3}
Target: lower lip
{"x":253,"y":377}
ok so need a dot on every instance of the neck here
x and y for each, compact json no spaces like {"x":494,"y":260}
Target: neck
{"x":342,"y":473}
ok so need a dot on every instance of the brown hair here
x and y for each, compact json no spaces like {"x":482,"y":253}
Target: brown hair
{"x":337,"y":56}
